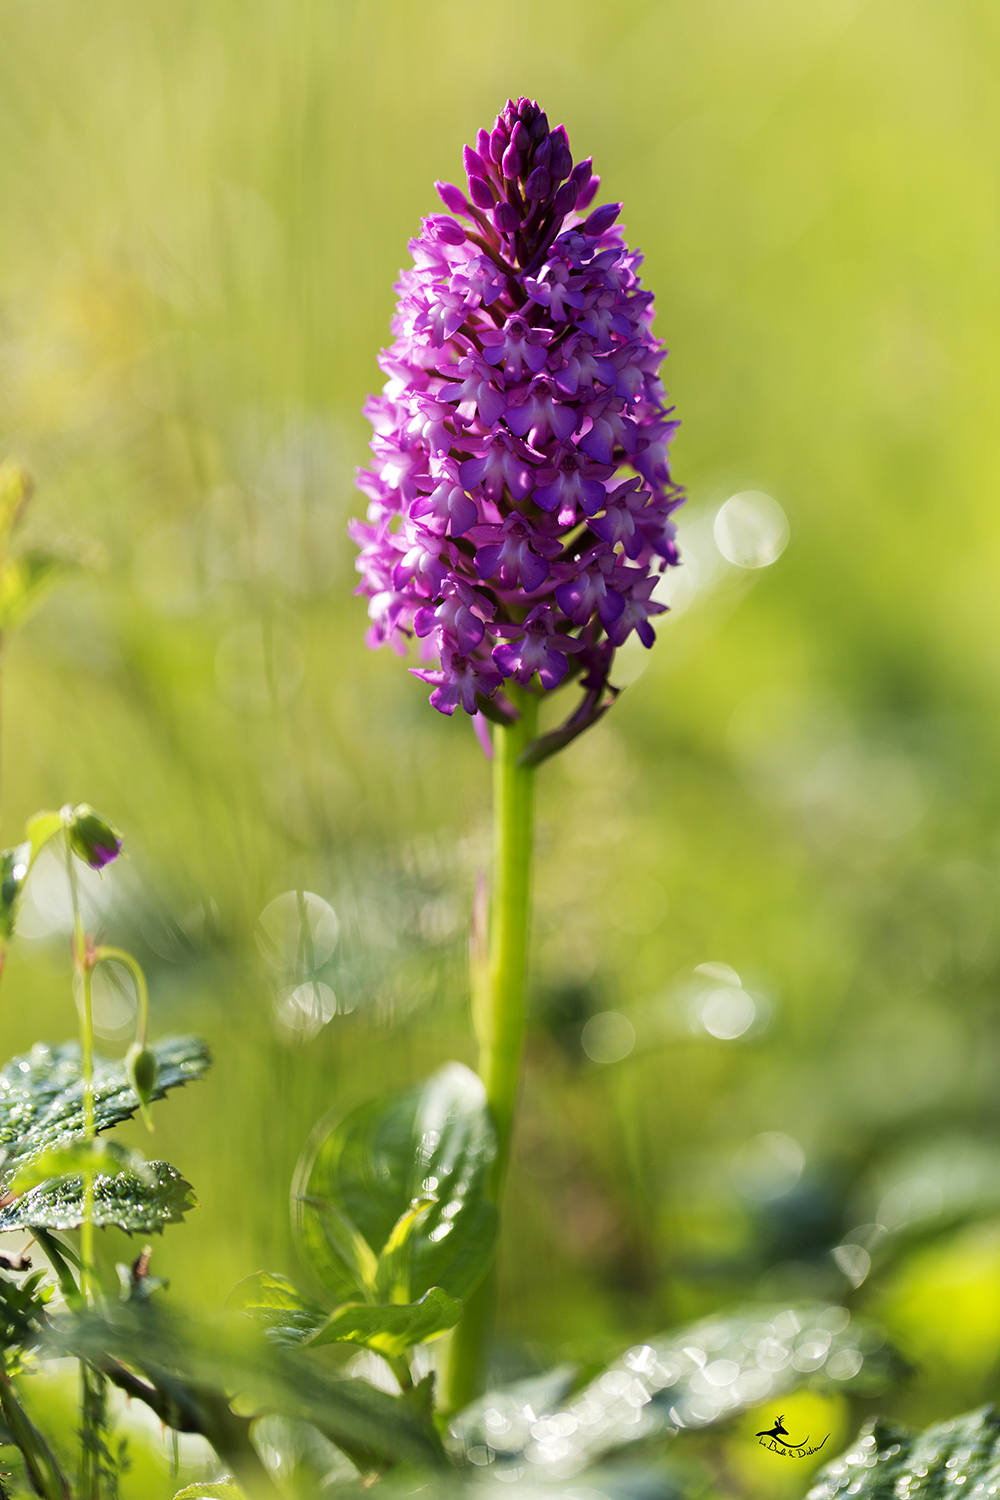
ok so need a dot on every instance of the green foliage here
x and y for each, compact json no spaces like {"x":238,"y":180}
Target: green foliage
{"x":887,"y":1462}
{"x":185,"y":1361}
{"x":22,"y":1307}
{"x":393,"y":1200}
{"x":14,"y":865}
{"x":139,"y":1205}
{"x":391,"y":1329}
{"x":41,"y":829}
{"x":41,"y":1094}
{"x":78,"y":1157}
{"x":277,"y":1306}
{"x":290,"y":1318}
{"x":224,"y":1490}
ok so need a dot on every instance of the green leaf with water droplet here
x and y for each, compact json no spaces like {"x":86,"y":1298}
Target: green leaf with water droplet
{"x":960,"y":1456}
{"x":365,"y":1173}
{"x":123,"y":1201}
{"x":108,"y":1157}
{"x":41,"y":1095}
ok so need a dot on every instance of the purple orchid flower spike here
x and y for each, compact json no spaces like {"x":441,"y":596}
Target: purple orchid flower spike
{"x":520,"y":498}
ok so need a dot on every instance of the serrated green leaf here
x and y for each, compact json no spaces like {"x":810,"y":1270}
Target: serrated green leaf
{"x":108,"y":1157}
{"x":25,"y":581}
{"x":960,"y":1456}
{"x":124,"y":1201}
{"x":391,"y":1328}
{"x":41,"y":1095}
{"x":764,"y":1352}
{"x":287,"y":1315}
{"x":39,"y":830}
{"x":437,"y":1139}
{"x":224,"y":1489}
{"x":14,"y":865}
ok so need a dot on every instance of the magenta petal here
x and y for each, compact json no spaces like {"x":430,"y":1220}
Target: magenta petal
{"x":534,"y":571}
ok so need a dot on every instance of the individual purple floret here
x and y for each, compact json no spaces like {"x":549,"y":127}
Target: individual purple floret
{"x":520,"y":496}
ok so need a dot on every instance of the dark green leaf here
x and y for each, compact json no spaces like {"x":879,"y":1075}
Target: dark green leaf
{"x":391,"y":1328}
{"x":124,"y":1201}
{"x":960,"y":1456}
{"x":275,"y":1303}
{"x":41,"y":1094}
{"x":435,"y":1140}
{"x":758,"y":1354}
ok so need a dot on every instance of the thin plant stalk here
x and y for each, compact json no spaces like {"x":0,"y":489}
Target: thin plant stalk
{"x":91,"y":1383}
{"x":498,"y":1006}
{"x":106,"y":953}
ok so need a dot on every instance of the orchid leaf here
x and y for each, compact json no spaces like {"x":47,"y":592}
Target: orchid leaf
{"x":391,"y":1328}
{"x":374,"y":1174}
{"x":139,"y":1205}
{"x":41,"y":1095}
{"x":960,"y":1456}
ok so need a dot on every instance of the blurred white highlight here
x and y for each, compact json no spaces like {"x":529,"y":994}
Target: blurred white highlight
{"x":751,"y":529}
{"x":608,"y":1037}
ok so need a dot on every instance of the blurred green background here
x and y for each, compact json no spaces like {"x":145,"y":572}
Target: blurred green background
{"x":204,"y":208}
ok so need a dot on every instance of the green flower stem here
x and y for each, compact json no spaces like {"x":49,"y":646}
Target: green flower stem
{"x":500,"y":1022}
{"x":498,"y":1006}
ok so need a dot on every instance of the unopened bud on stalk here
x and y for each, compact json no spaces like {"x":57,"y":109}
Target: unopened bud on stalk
{"x":92,"y":837}
{"x":143,"y":1071}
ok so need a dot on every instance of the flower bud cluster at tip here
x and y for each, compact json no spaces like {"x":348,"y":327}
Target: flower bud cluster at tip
{"x":521,"y":496}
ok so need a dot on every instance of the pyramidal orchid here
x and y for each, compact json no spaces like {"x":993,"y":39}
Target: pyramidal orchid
{"x":520,"y":497}
{"x":519,"y":515}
